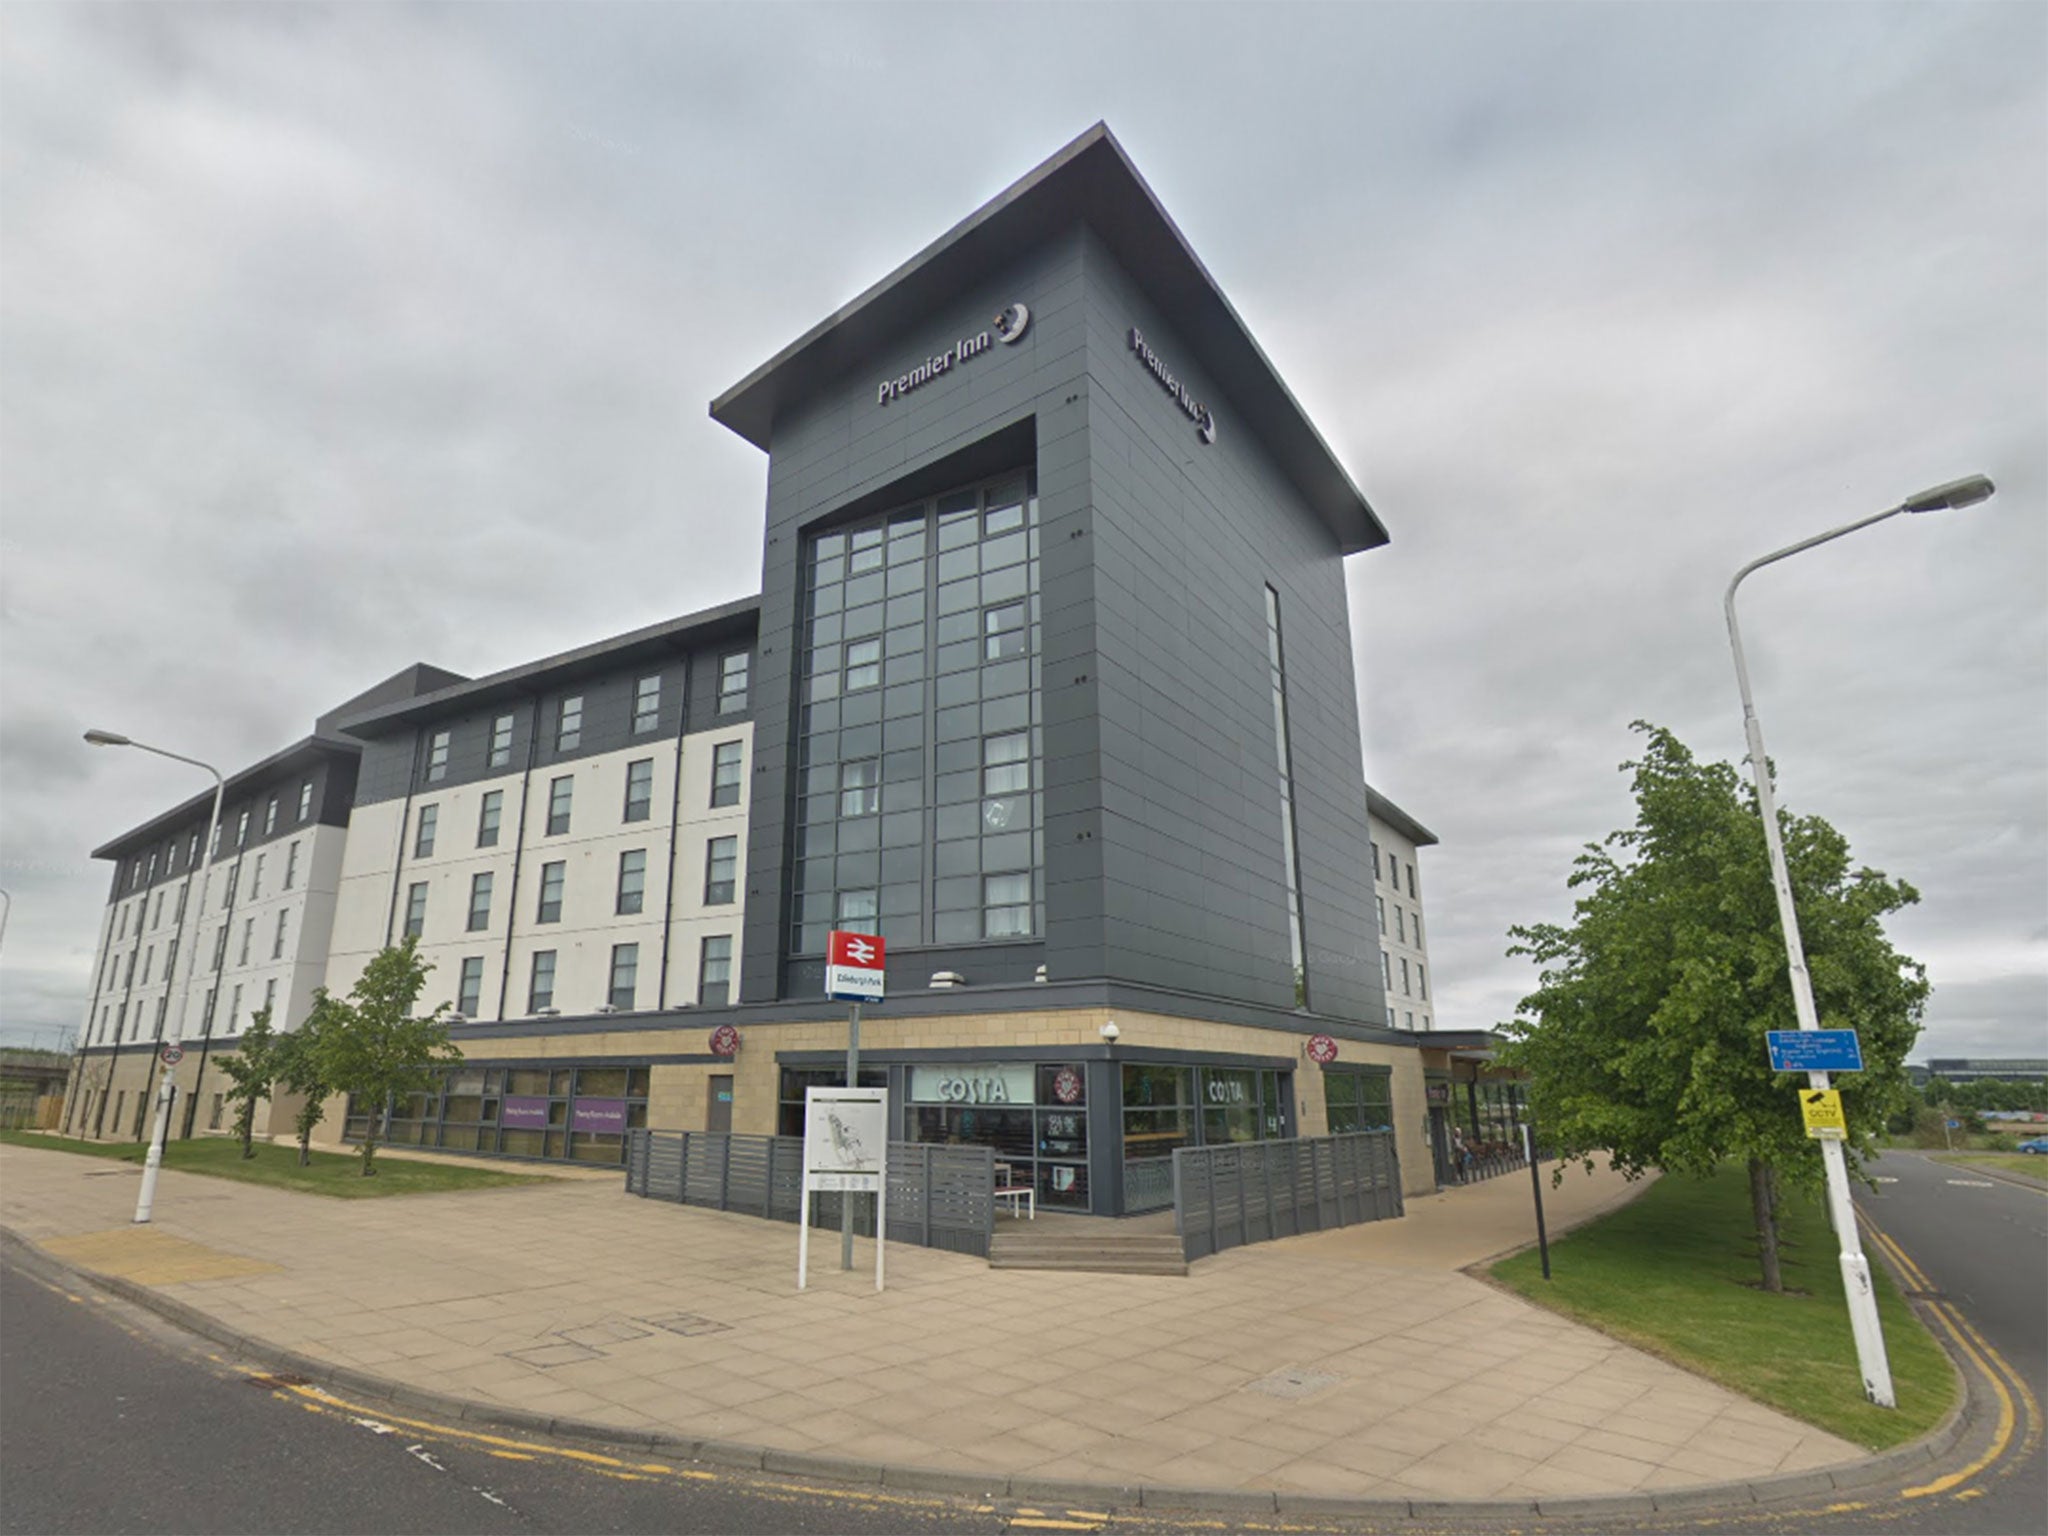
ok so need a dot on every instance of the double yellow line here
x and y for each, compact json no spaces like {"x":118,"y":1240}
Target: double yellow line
{"x":2006,"y":1382}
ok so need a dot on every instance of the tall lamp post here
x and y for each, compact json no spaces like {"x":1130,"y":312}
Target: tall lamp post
{"x":1870,"y":1353}
{"x":168,"y":1089}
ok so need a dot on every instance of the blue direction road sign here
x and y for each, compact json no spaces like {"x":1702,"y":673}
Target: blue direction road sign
{"x":1815,"y":1050}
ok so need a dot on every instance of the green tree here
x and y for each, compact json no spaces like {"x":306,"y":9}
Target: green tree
{"x":1645,"y":1037}
{"x":252,"y":1068}
{"x":373,"y":1049}
{"x":302,"y":1069}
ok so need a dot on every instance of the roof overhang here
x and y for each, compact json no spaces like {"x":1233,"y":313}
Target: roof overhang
{"x":671,"y":637}
{"x":1377,"y":804}
{"x":299,"y":754}
{"x":1090,"y":182}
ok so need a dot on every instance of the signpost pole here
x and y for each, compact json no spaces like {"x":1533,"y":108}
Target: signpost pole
{"x":1536,"y":1182}
{"x":167,"y":1090}
{"x":852,"y":1081}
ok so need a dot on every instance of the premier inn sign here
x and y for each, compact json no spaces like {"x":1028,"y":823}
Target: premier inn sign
{"x":1007,"y":327}
{"x":1200,"y":414}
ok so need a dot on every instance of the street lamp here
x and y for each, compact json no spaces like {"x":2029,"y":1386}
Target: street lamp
{"x":168,"y":1089}
{"x":1870,"y":1353}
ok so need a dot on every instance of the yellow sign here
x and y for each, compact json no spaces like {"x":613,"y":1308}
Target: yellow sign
{"x":1823,"y":1110}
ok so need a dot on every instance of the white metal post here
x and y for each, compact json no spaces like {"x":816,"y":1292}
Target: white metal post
{"x":1862,"y":1300}
{"x":852,"y":1081}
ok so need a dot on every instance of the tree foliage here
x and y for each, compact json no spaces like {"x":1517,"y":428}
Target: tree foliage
{"x":372,"y":1047}
{"x":252,"y":1068}
{"x":1645,"y":1037}
{"x":302,"y":1069}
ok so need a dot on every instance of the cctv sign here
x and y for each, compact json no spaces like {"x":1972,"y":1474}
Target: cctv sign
{"x":853,"y":967}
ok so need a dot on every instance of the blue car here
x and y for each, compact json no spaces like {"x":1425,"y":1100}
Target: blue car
{"x":2038,"y":1144}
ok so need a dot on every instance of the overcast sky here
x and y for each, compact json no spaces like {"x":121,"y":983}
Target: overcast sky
{"x":337,"y":339}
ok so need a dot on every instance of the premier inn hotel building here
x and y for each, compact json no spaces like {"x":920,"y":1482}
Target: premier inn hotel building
{"x":1049,"y":683}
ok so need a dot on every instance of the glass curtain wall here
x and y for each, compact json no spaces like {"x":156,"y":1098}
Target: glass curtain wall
{"x":1358,"y":1100}
{"x":573,"y":1114}
{"x":919,"y":807}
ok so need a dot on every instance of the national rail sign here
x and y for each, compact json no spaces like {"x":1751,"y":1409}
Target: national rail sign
{"x":1815,"y":1050}
{"x":853,"y":967}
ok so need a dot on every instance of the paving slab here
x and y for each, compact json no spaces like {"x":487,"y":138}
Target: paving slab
{"x":1398,"y":1377}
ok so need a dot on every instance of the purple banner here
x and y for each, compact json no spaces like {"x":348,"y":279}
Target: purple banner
{"x":605,"y":1116}
{"x":523,"y":1114}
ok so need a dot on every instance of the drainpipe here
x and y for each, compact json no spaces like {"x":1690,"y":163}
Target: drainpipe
{"x":675,"y":816}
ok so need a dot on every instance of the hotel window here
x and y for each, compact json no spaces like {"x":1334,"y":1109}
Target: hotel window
{"x":856,"y":912}
{"x":220,"y":945}
{"x":1410,"y":1018}
{"x":214,"y":851}
{"x":1405,"y":992}
{"x":480,"y":902}
{"x":1411,"y":883}
{"x":129,"y":979}
{"x":1416,"y":918}
{"x":256,"y":880}
{"x":148,"y":959}
{"x":725,"y":773}
{"x":714,"y":972}
{"x":234,"y":1010}
{"x":1376,"y":866}
{"x":415,"y":909}
{"x":489,"y":812}
{"x":1002,"y":632}
{"x":1006,"y":764}
{"x":863,"y":665}
{"x":625,"y":973}
{"x":423,"y":843}
{"x":732,"y":683}
{"x":646,"y":705}
{"x":242,"y":830}
{"x":640,"y":789}
{"x":560,"y":793}
{"x":552,"y":878}
{"x":1006,"y":905}
{"x":171,"y":859}
{"x":569,"y":725}
{"x":227,"y":895}
{"x":471,"y":995}
{"x":632,"y":882}
{"x":270,"y":997}
{"x":917,"y":731}
{"x":540,"y":991}
{"x":171,"y":960}
{"x":721,"y":870}
{"x":1421,"y":983}
{"x":178,"y":917}
{"x":305,"y":799}
{"x":120,"y":924}
{"x":248,"y":933}
{"x":1276,"y":659}
{"x":206,"y":1013}
{"x":156,"y":912}
{"x":1380,"y":906}
{"x":437,"y":757}
{"x":269,"y":821}
{"x":860,"y":788}
{"x":151,"y":875}
{"x":501,"y":742}
{"x":277,"y":940}
{"x":291,"y":863}
{"x":163,"y":1006}
{"x":1400,"y":924}
{"x":1386,"y":972}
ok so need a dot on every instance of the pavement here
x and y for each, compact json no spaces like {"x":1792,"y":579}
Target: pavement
{"x":1354,"y":1366}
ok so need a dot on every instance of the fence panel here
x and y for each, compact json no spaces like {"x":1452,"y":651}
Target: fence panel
{"x":939,"y":1197}
{"x":1226,"y":1197}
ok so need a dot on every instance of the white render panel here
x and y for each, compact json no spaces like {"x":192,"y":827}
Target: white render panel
{"x":1401,"y":939}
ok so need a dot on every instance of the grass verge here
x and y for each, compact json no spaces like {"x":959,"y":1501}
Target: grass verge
{"x":1675,"y":1272}
{"x":2026,"y":1165}
{"x":331,"y":1173}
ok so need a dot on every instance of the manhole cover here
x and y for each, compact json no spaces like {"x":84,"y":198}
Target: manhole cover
{"x":597,"y":1335}
{"x":688,"y":1324}
{"x":1293,"y":1383}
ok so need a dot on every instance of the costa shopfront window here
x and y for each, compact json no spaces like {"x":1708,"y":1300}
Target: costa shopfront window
{"x":1033,"y":1114}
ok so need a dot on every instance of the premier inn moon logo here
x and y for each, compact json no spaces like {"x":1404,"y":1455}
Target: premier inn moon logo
{"x":1007,"y":327}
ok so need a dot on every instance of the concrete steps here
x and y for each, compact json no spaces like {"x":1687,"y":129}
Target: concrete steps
{"x":1097,"y":1246}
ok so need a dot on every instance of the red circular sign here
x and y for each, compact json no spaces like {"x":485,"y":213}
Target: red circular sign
{"x":725,"y":1041}
{"x":1322,"y":1049}
{"x":172,"y":1055}
{"x":1066,"y":1085}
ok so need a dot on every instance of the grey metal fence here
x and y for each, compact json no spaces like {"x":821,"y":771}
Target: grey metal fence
{"x":939,"y":1197}
{"x":1253,"y":1192}
{"x":1148,"y":1184}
